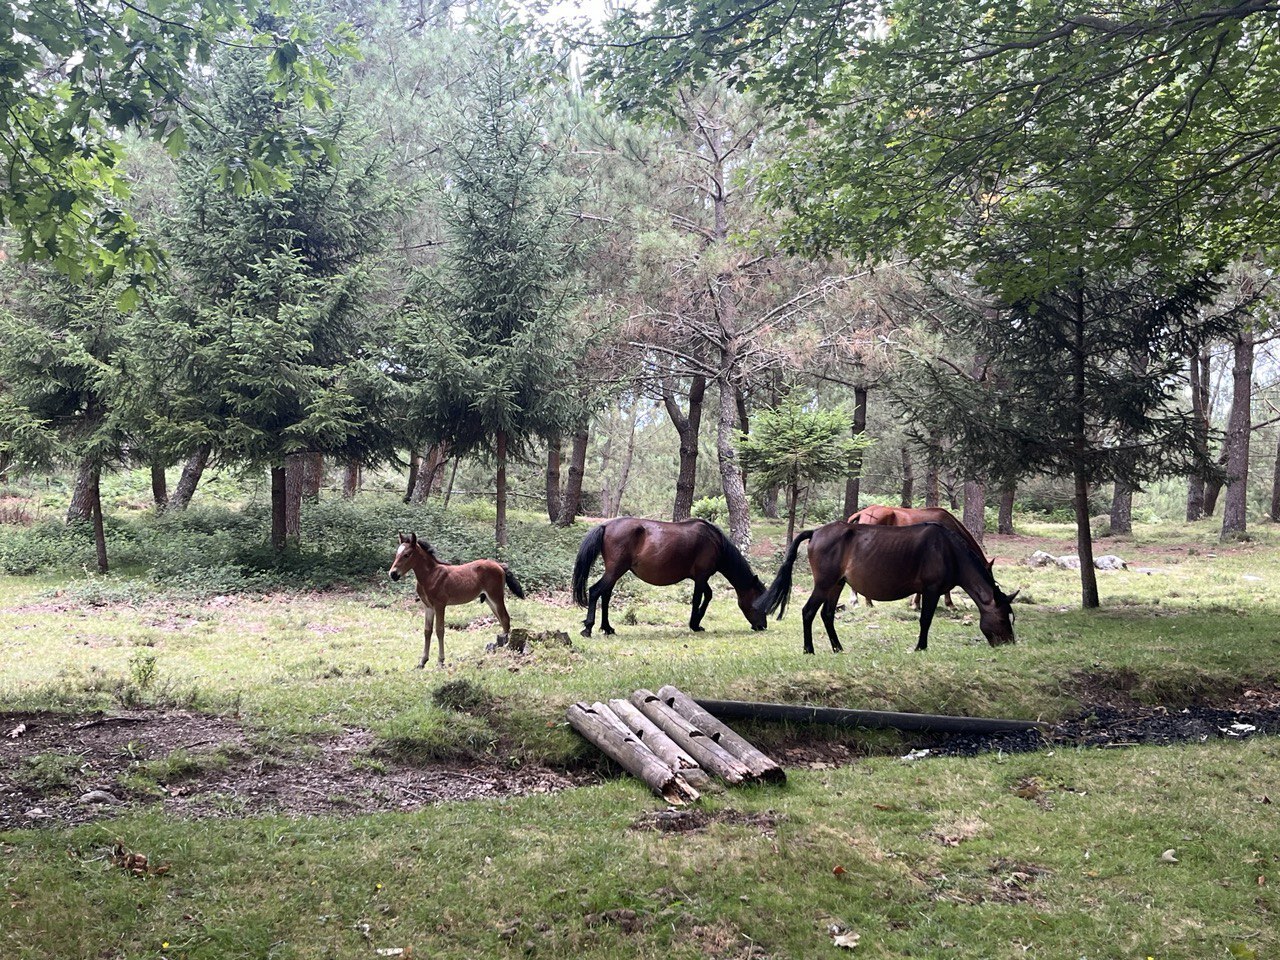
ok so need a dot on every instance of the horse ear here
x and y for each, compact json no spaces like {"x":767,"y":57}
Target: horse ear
{"x":1014,"y":594}
{"x":413,"y":538}
{"x":401,"y":536}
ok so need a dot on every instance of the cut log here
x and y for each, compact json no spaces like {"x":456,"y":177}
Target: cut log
{"x":667,"y":749}
{"x":630,"y":753}
{"x":709,"y":754}
{"x":869,"y":719}
{"x":761,"y":766}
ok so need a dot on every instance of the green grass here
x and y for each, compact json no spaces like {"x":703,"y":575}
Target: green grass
{"x":940,"y":858}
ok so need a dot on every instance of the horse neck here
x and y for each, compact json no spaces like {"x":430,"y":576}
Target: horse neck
{"x":739,"y":576}
{"x":424,"y":564}
{"x":973,"y":579}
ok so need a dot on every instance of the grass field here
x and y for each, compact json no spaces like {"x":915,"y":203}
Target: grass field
{"x":1057,"y":853}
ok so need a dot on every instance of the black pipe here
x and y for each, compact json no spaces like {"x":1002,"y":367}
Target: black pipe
{"x":870,"y":719}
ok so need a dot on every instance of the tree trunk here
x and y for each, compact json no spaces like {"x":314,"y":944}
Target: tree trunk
{"x":279,"y":498}
{"x":1121,"y":509}
{"x":350,"y":479}
{"x":853,"y":484}
{"x":1198,"y":376}
{"x":500,"y":489}
{"x":931,"y":491}
{"x":448,"y":491}
{"x":81,"y":507}
{"x":159,"y":488}
{"x":975,"y":508}
{"x":294,"y":467}
{"x":571,"y":504}
{"x":553,"y":477}
{"x":1235,"y":508}
{"x":735,"y":491}
{"x":95,"y":510}
{"x":688,"y":428}
{"x":951,"y":487}
{"x":793,"y":494}
{"x":312,"y":475}
{"x":624,"y":472}
{"x":1275,"y":485}
{"x":192,"y":471}
{"x":415,"y":464}
{"x":1079,"y":444}
{"x":908,"y":479}
{"x":429,"y":470}
{"x":1004,"y":524}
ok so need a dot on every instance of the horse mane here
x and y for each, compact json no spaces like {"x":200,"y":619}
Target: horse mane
{"x":980,"y":559}
{"x":733,"y":565}
{"x":430,"y":551}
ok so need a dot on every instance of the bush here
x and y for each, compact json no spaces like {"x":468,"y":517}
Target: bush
{"x":714,"y":509}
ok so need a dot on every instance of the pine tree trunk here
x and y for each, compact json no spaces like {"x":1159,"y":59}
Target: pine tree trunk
{"x":500,"y":485}
{"x":571,"y":503}
{"x":931,"y":492}
{"x":1275,"y":485}
{"x":80,"y":509}
{"x":294,"y":465}
{"x":1198,"y":376}
{"x":350,"y":479}
{"x":951,"y":487}
{"x":1235,"y":508}
{"x":95,"y":510}
{"x":279,"y":499}
{"x":624,"y":472}
{"x":793,"y":494}
{"x":553,"y":477}
{"x":429,"y":470}
{"x":974,"y":517}
{"x":853,"y":483}
{"x":1004,"y":521}
{"x":1084,"y":544}
{"x":908,"y":479}
{"x":312,"y":475}
{"x":688,"y":428}
{"x":415,"y":464}
{"x":189,"y":479}
{"x":735,"y":492}
{"x":159,"y":488}
{"x":1121,"y":509}
{"x":448,"y":491}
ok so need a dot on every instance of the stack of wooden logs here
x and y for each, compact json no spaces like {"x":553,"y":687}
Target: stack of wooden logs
{"x":671,"y":743}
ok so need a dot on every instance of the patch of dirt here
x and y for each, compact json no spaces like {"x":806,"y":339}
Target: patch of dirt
{"x":129,"y":759}
{"x":691,"y":820}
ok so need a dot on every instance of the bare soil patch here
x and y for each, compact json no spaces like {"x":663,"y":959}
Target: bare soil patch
{"x":198,"y":765}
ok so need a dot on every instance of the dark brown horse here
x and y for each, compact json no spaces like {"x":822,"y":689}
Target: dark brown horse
{"x":886,"y":516}
{"x":443,"y":585}
{"x":663,"y":553}
{"x":889,"y":563}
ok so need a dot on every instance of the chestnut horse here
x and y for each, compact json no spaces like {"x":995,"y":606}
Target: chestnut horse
{"x":443,"y":585}
{"x":886,"y":516}
{"x":663,"y":553}
{"x":889,"y":563}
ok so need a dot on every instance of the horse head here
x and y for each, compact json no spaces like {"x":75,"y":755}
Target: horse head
{"x":996,"y":619}
{"x":747,"y":600}
{"x":404,"y":556}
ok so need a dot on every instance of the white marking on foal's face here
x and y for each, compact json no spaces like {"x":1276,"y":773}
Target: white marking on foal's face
{"x":401,"y":553}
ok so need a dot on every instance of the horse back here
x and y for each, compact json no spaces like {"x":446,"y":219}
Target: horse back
{"x":661,"y":552}
{"x":891,"y":562}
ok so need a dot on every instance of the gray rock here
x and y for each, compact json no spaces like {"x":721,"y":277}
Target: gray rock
{"x":1040,"y":559}
{"x":1110,"y":562}
{"x":99,"y":796}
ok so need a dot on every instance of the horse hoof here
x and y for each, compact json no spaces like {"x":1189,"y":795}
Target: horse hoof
{"x":697,"y":629}
{"x":422,"y":665}
{"x":608,"y":631}
{"x":808,"y":653}
{"x":585,"y":633}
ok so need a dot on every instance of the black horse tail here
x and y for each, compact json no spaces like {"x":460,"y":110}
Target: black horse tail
{"x":775,"y":598}
{"x":512,"y":583}
{"x":592,"y":545}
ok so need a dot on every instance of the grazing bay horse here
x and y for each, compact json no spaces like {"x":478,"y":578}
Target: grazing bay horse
{"x":889,"y":563}
{"x":886,"y":516}
{"x":443,"y":585}
{"x":663,"y":553}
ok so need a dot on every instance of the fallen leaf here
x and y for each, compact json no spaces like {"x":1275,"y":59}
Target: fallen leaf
{"x":838,"y":870}
{"x":882,"y":806}
{"x":1168,"y":856}
{"x":847,"y":940}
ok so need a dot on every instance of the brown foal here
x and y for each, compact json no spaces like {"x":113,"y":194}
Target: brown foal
{"x":442,"y":585}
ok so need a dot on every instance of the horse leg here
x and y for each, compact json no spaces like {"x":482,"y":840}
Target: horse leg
{"x":701,"y":600}
{"x":440,"y":632}
{"x":829,"y":616}
{"x":426,"y":635}
{"x":592,"y":596}
{"x":928,"y":604}
{"x":497,"y":603}
{"x":606,"y":592}
{"x":950,"y":605}
{"x":810,"y":610}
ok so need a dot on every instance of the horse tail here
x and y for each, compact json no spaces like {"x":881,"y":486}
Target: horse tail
{"x":512,"y":583}
{"x":775,"y":598}
{"x":592,"y":546}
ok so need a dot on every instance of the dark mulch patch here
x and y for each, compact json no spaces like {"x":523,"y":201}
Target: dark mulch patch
{"x":227,"y":774}
{"x":690,"y":820}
